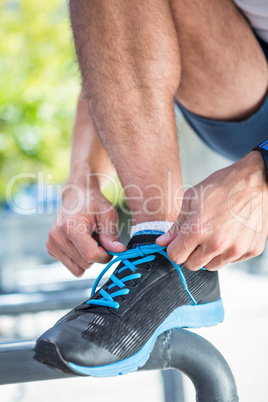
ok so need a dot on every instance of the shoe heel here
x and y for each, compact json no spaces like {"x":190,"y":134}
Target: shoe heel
{"x":195,"y":316}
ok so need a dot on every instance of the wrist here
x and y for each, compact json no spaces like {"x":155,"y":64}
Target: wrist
{"x":77,"y":189}
{"x":254,"y":159}
{"x":83,"y":175}
{"x":256,"y":170}
{"x":257,"y":158}
{"x":79,"y":185}
{"x":255,"y":163}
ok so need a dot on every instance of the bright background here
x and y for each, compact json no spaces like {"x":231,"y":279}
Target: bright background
{"x":39,"y":81}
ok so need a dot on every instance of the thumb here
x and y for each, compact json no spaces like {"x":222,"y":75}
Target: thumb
{"x":165,"y":239}
{"x":108,"y":236}
{"x":170,"y":235}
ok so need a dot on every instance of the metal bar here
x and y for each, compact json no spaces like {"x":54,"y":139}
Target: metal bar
{"x":35,"y":302}
{"x":178,"y":349}
{"x":17,"y":364}
{"x":199,"y":360}
{"x":173,"y":386}
{"x":20,"y":303}
{"x":66,"y":296}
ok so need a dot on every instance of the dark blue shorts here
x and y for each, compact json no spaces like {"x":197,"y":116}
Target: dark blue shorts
{"x":232,"y":139}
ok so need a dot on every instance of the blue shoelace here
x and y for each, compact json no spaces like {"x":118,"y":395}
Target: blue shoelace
{"x":143,"y":254}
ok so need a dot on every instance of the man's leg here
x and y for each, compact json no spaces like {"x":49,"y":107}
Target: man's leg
{"x":223,"y":69}
{"x":225,"y":78}
{"x":130,"y":62}
{"x":129,"y":58}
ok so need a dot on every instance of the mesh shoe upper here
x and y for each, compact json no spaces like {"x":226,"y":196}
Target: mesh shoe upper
{"x":93,"y":335}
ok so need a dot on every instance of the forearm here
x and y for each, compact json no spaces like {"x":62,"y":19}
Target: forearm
{"x":84,"y":210}
{"x":89,"y":159}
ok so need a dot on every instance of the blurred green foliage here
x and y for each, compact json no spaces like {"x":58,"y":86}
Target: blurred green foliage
{"x":39,"y":81}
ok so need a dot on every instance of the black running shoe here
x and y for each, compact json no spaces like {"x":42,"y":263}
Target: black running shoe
{"x":115,"y":330}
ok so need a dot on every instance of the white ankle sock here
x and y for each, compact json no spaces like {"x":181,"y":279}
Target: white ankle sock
{"x":152,"y":227}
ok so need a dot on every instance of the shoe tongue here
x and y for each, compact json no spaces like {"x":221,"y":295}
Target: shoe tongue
{"x":142,"y":238}
{"x":137,"y":240}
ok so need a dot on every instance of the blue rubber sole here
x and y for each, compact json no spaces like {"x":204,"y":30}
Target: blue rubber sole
{"x":190,"y":316}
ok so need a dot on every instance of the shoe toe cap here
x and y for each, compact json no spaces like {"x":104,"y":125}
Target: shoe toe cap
{"x":72,"y":347}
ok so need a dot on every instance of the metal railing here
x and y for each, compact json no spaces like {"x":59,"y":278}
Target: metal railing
{"x":175,"y":349}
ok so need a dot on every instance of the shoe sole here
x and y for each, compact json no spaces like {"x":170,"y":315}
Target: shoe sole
{"x":191,"y":316}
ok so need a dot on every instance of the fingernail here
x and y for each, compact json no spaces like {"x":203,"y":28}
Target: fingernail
{"x":164,"y":236}
{"x":117,"y":243}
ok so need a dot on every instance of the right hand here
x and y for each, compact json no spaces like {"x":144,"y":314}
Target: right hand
{"x":73,"y":238}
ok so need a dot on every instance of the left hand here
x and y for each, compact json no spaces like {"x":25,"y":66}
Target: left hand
{"x":223,"y":219}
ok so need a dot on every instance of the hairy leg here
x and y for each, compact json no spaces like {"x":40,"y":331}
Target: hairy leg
{"x":129,"y":58}
{"x":224,"y":76}
{"x":223,"y":69}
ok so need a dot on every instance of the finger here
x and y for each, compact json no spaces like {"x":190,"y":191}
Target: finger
{"x":57,"y":239}
{"x":198,"y":259}
{"x":109,"y":244}
{"x":165,"y":239}
{"x":183,"y":246}
{"x":80,"y":236}
{"x":67,"y":247}
{"x":67,"y":261}
{"x":51,"y":254}
{"x":255,"y":251}
{"x":171,"y":234}
{"x":235,"y":252}
{"x":108,"y":234}
{"x":90,"y":250}
{"x":216,"y":263}
{"x":206,"y":252}
{"x":246,"y":256}
{"x":241,"y":259}
{"x":219,"y":261}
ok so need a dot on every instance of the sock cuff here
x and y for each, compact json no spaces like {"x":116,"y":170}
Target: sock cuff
{"x":152,"y":226}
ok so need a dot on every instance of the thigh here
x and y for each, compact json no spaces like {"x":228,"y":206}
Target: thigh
{"x":223,"y":68}
{"x":232,"y":139}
